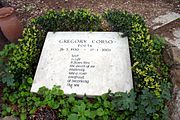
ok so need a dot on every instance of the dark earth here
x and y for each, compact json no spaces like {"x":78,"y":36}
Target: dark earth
{"x":149,"y":9}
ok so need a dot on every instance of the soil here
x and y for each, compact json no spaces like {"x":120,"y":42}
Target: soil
{"x":149,"y":9}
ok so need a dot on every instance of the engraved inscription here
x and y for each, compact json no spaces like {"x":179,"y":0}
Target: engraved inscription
{"x":78,"y":68}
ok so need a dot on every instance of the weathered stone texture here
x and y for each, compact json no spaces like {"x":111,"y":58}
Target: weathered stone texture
{"x":172,"y":58}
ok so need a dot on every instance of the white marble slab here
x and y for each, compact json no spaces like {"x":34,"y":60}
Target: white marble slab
{"x":88,"y":63}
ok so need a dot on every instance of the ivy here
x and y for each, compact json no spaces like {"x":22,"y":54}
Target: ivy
{"x":125,"y":101}
{"x":5,"y":76}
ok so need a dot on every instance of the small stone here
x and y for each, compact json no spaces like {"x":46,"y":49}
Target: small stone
{"x":172,"y":55}
{"x":175,"y":110}
{"x":10,"y":118}
{"x":175,"y":76}
{"x":176,"y":55}
{"x":167,"y":55}
{"x":176,"y":33}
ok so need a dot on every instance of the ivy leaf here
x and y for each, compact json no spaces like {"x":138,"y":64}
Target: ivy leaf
{"x":42,"y":90}
{"x":55,"y":105}
{"x":100,"y":112}
{"x":8,"y":79}
{"x":57,"y":91}
{"x":73,"y":117}
{"x":79,"y":108}
{"x":87,"y":113}
{"x":30,"y":80}
{"x":82,"y":118}
{"x":65,"y":112}
{"x":71,"y":99}
{"x":8,"y":109}
{"x":107,"y":104}
{"x":23,"y":116}
{"x":125,"y":101}
{"x":90,"y":114}
{"x":82,"y":107}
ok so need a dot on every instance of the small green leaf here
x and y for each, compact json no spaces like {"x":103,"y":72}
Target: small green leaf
{"x":65,"y":112}
{"x":23,"y":116}
{"x":82,"y":118}
{"x":73,"y":117}
{"x":71,"y":99}
{"x":100,"y":112}
{"x":8,"y":109}
{"x":30,"y":80}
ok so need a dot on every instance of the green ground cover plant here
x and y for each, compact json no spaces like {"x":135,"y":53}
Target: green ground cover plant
{"x":147,"y":101}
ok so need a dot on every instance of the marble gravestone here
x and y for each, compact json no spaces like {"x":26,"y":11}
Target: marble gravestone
{"x":90,"y":63}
